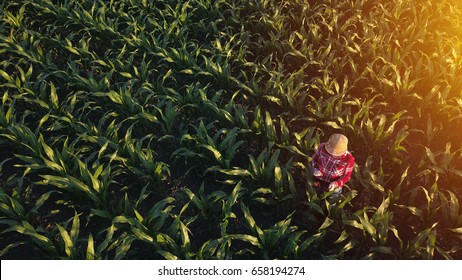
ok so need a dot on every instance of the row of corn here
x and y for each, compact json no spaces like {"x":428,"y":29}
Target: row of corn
{"x":139,"y":129}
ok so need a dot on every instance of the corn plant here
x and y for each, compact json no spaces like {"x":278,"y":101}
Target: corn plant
{"x":221,"y":148}
{"x":378,"y":228}
{"x":185,"y":130}
{"x":280,"y":237}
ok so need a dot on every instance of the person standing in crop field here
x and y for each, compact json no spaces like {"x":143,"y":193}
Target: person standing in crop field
{"x":332,"y":166}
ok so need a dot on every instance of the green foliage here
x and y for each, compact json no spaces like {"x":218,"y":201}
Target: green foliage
{"x":185,"y":130}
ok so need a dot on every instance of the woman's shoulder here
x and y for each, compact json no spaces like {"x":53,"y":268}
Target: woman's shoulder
{"x":322,"y":148}
{"x":349,"y":157}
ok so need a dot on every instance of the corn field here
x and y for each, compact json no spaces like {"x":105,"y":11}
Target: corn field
{"x":144,"y":129}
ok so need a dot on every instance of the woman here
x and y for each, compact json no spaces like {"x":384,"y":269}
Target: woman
{"x":332,"y":165}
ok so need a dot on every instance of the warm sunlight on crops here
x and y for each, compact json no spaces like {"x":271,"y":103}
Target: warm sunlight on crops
{"x":142,"y":129}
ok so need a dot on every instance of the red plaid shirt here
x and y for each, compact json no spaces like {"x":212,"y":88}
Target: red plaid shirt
{"x":333,"y":168}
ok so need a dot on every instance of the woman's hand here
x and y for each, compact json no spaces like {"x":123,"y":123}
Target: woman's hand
{"x":317,"y":173}
{"x":333,"y":186}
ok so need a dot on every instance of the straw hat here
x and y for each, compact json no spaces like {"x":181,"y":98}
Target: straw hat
{"x":337,"y":144}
